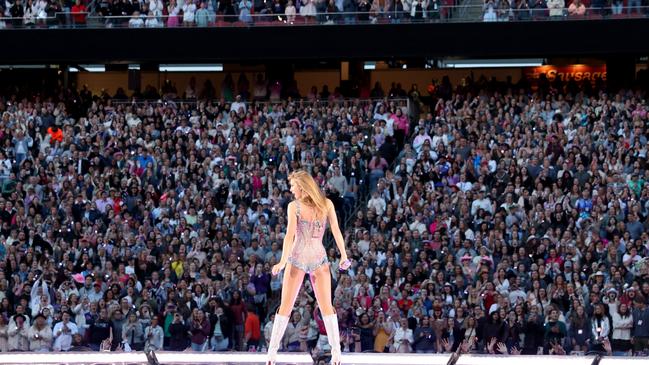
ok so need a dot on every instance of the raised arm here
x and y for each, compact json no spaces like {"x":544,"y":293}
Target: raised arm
{"x":288,"y":239}
{"x":335,"y":230}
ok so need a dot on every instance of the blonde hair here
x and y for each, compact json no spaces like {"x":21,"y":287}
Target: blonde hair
{"x":313,"y":196}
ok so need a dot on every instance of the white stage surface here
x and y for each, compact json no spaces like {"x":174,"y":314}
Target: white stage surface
{"x":243,"y":358}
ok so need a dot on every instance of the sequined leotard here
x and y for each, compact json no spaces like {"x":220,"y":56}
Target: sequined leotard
{"x":308,"y":252}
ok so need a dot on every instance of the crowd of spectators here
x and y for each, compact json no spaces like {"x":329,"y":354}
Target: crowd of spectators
{"x":202,"y":13}
{"x":506,"y":10}
{"x":502,"y":218}
{"x":118,"y":216}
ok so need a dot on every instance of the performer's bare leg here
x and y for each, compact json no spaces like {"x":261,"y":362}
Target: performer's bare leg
{"x":291,"y":284}
{"x":321,"y":280}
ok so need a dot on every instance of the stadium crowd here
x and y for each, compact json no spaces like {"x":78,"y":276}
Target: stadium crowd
{"x":175,"y":13}
{"x":506,"y":10}
{"x":500,"y":218}
{"x":204,"y":13}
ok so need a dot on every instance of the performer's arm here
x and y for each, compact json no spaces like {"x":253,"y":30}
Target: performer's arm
{"x":335,"y":230}
{"x":288,"y":239}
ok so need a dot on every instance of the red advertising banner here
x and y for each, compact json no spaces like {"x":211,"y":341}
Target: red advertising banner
{"x":577,"y":72}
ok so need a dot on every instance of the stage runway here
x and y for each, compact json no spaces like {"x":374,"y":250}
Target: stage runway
{"x":243,"y":358}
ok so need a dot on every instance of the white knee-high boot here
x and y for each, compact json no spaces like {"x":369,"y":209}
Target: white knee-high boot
{"x":333,"y":335}
{"x":279,"y":326}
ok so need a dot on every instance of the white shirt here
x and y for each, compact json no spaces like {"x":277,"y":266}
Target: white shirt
{"x":481,"y":203}
{"x":153,"y":23}
{"x":378,"y":204}
{"x":237,"y":105}
{"x":622,"y":326}
{"x":135,"y":23}
{"x":464,"y":186}
{"x":63,"y":341}
{"x":189,"y":11}
{"x":402,"y":334}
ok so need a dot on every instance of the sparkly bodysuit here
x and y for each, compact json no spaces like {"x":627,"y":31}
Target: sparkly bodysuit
{"x":308,"y":252}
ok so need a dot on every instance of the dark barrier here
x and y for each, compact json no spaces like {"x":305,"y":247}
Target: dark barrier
{"x":497,"y":39}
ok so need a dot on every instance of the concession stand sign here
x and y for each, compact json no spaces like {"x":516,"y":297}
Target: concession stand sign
{"x":564,"y":73}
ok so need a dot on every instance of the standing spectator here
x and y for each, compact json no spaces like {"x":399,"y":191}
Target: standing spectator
{"x":154,"y":336}
{"x":189,"y":13}
{"x":290,"y":12}
{"x":640,"y":330}
{"x":403,"y":338}
{"x":220,"y":339}
{"x":556,"y":11}
{"x":63,"y":332}
{"x":178,"y":333}
{"x":601,"y":328}
{"x":555,"y":329}
{"x":152,"y":21}
{"x":579,"y":329}
{"x":173,"y":10}
{"x":424,"y":337}
{"x":200,"y":331}
{"x":202,"y":15}
{"x":30,"y":10}
{"x":308,"y":8}
{"x":132,"y":332}
{"x":633,"y":4}
{"x":377,"y":170}
{"x":3,"y":332}
{"x":401,"y":127}
{"x":622,"y":325}
{"x":99,"y":330}
{"x":238,"y":309}
{"x":252,"y":332}
{"x":55,"y":133}
{"x":18,"y":333}
{"x":79,"y":14}
{"x":136,"y":20}
{"x":245,"y":16}
{"x":17,"y":11}
{"x":22,"y":144}
{"x":291,"y":339}
{"x":40,"y":335}
{"x":616,"y":7}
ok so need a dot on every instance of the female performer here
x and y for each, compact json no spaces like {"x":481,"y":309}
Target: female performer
{"x":303,"y":252}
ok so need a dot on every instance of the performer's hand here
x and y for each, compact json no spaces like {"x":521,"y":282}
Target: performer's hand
{"x":277,"y":268}
{"x":344,"y":263}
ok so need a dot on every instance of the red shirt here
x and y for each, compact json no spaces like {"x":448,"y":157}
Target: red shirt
{"x":79,"y":18}
{"x":253,"y":327}
{"x":55,"y":135}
